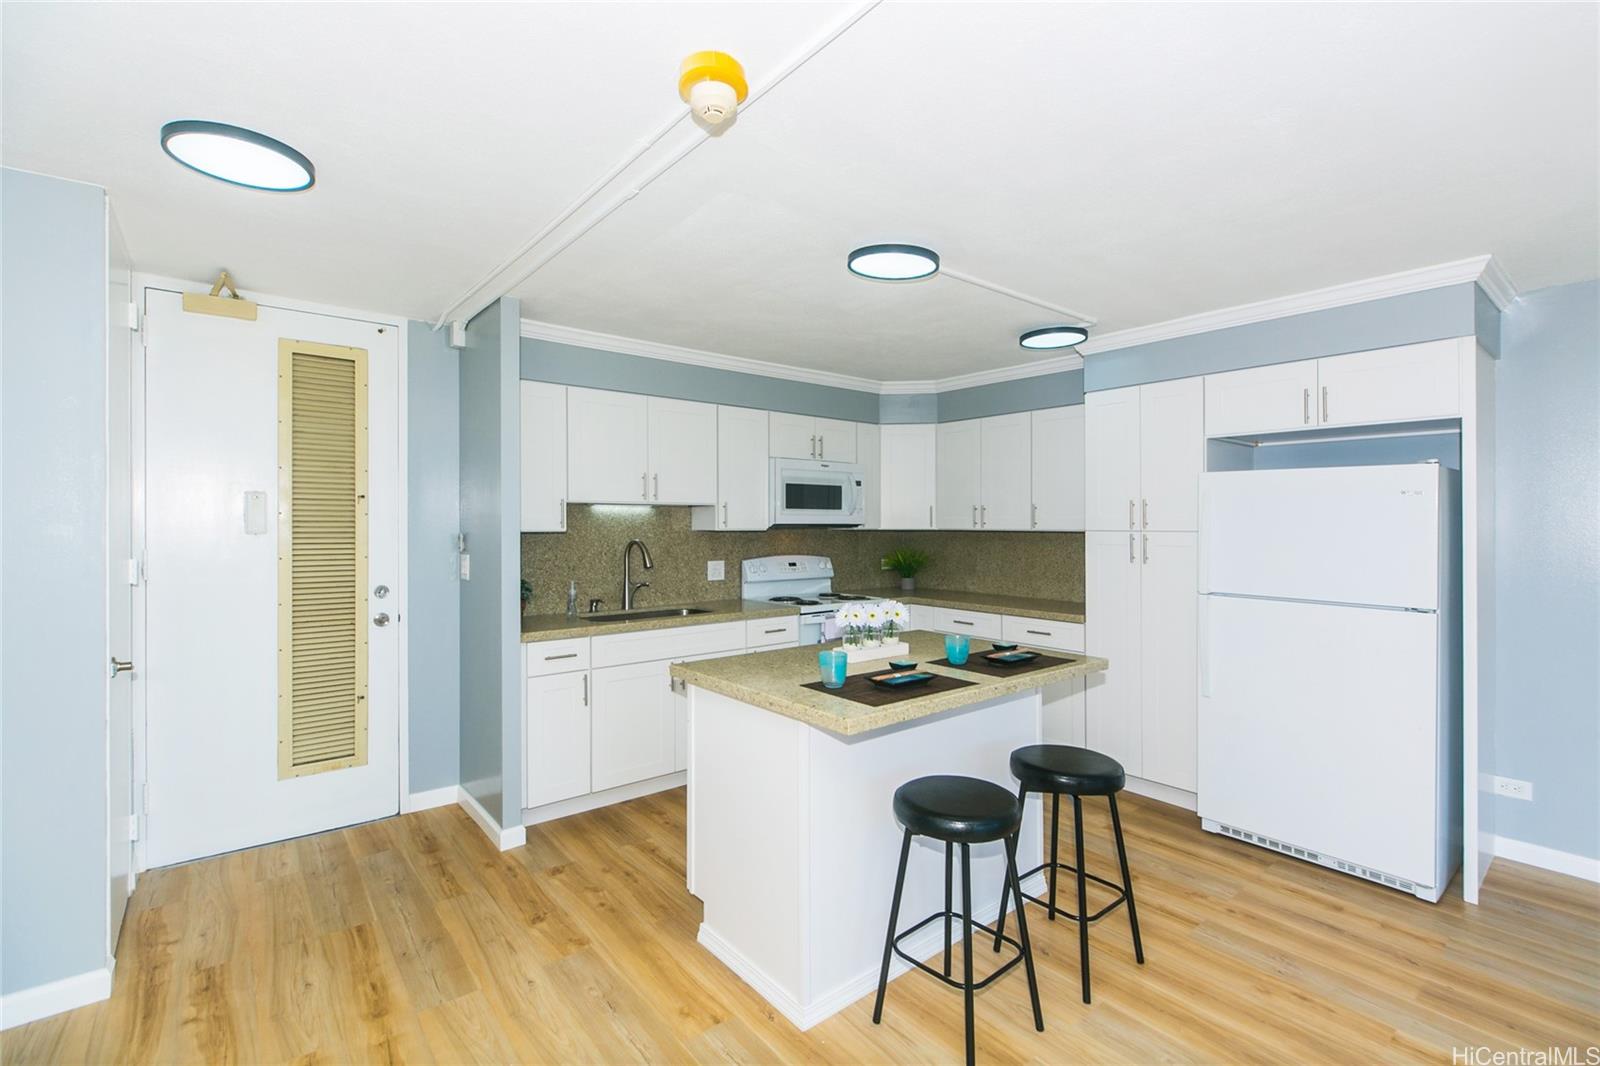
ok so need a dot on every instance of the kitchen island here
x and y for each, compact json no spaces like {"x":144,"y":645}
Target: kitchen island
{"x":792,"y":843}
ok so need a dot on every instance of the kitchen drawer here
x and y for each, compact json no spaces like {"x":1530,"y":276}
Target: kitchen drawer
{"x":973,"y":623}
{"x":768,"y":632}
{"x":675,"y":643}
{"x":556,"y":656}
{"x":1062,"y":636}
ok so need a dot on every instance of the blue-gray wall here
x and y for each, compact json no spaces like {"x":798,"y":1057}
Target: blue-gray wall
{"x":1547,"y":586}
{"x":491,"y":695}
{"x":1410,"y":319}
{"x":1061,"y":389}
{"x":53,"y":870}
{"x":433,"y":614}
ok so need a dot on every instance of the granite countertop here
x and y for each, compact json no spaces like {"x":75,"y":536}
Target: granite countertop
{"x":773,"y":680}
{"x":1054,"y":610}
{"x":537,"y":627}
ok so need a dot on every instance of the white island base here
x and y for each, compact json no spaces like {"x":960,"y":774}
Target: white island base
{"x":793,"y":843}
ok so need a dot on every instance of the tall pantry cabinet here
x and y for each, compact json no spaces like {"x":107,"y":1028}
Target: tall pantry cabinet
{"x":1145,"y":450}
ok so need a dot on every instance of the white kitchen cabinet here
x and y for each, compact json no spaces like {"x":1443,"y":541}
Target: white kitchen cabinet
{"x":1408,"y":383}
{"x":1005,"y":472}
{"x":807,"y":437}
{"x":555,"y":737}
{"x":1057,"y":468}
{"x":1062,"y":713}
{"x":683,"y":451}
{"x":1262,"y":399}
{"x":907,"y":476}
{"x":1168,"y":657}
{"x":921,"y":617}
{"x":543,"y":446}
{"x":1113,"y":722}
{"x":1111,"y":458}
{"x":958,"y":468}
{"x":743,"y":473}
{"x":634,"y":724}
{"x":1172,"y":449}
{"x":982,"y":625}
{"x":869,"y":456}
{"x":608,"y":446}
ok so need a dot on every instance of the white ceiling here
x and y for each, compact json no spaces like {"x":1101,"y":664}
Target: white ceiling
{"x":1136,"y":162}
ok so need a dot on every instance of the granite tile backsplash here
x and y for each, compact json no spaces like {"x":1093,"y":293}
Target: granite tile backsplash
{"x":1047,"y":565}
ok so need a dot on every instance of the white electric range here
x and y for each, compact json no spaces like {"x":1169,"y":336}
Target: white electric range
{"x":804,"y":581}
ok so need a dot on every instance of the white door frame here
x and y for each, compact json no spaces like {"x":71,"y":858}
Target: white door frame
{"x":143,"y":281}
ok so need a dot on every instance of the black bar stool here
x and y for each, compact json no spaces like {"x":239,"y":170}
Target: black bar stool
{"x":964,"y":811}
{"x":1058,"y":770}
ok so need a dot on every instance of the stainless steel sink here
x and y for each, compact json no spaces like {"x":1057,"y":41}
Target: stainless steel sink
{"x":629,"y":616}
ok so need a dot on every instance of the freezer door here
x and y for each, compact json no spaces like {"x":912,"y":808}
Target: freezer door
{"x":1317,"y":727}
{"x":1348,"y":534}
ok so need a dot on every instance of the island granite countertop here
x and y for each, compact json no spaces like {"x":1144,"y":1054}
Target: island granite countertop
{"x":536,"y":627}
{"x":774,"y":680}
{"x":1028,"y":606}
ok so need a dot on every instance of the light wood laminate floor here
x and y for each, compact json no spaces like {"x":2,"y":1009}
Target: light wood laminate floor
{"x":412,"y":940}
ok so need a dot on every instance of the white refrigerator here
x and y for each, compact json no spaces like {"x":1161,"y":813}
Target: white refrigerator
{"x":1330,"y":667}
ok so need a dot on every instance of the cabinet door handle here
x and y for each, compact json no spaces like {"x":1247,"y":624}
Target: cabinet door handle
{"x":724,"y":514}
{"x":1035,"y":516}
{"x":568,"y":655}
{"x":1146,"y":539}
{"x":822,"y":447}
{"x":813,"y":445}
{"x":984,"y":511}
{"x":586,"y":690}
{"x":930,"y":516}
{"x":1144,"y":510}
{"x":974,"y":516}
{"x":1324,"y":403}
{"x":1131,"y":558}
{"x":644,"y":485}
{"x":1130,"y":512}
{"x":561,"y":513}
{"x":1305,"y":405}
{"x":656,"y":480}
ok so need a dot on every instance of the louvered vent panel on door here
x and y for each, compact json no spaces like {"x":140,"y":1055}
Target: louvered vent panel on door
{"x":322,"y":558}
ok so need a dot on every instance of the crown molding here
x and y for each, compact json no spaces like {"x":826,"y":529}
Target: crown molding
{"x":1400,"y":284}
{"x":1497,"y":285}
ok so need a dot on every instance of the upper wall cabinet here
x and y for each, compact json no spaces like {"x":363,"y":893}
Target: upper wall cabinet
{"x":626,"y":448}
{"x":1145,"y":449}
{"x":1057,"y":468}
{"x":906,"y":477}
{"x":1414,"y":382}
{"x":959,"y":468}
{"x":806,"y":437}
{"x":984,"y":473}
{"x":743,"y":473}
{"x":544,"y":457}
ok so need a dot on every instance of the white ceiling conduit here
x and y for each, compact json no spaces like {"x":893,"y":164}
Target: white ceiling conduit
{"x":1076,"y":317}
{"x":506,"y":276}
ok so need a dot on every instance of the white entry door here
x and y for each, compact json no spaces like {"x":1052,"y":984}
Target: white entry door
{"x":272,"y":569}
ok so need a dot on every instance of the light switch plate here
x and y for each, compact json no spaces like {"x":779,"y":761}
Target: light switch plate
{"x":714,"y":570}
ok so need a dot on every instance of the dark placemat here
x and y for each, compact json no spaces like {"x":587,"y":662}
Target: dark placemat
{"x":977,"y":665}
{"x":860,"y":690}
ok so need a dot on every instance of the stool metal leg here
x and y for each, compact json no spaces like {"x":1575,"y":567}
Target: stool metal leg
{"x":1083,"y":896}
{"x":966,"y":944}
{"x":1127,"y":881}
{"x":1015,"y":884}
{"x":894,"y":917}
{"x":949,"y":853}
{"x":1055,"y":842}
{"x":1005,"y":889}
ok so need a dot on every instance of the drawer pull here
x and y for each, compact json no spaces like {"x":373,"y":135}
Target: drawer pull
{"x":568,"y":655}
{"x":1038,"y":632}
{"x":960,"y":622}
{"x":780,"y":629}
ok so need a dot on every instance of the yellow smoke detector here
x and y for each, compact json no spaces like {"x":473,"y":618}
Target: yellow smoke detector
{"x":713,"y":85}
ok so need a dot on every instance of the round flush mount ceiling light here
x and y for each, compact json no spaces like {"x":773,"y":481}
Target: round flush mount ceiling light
{"x":893,"y":262}
{"x":237,"y":156}
{"x":1054,"y":337}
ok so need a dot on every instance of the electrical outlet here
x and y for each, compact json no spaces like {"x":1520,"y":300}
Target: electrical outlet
{"x":466,"y":567}
{"x":1511,"y":788}
{"x":883,"y":564}
{"x":714,"y":570}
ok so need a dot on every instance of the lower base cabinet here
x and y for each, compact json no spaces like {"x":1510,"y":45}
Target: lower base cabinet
{"x":557,"y":737}
{"x":634,"y":724}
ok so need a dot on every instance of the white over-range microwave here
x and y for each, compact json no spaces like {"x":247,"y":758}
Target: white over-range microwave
{"x":812,"y":492}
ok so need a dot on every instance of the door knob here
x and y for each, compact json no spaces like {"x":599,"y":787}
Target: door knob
{"x":381,"y":619}
{"x":381,"y":591}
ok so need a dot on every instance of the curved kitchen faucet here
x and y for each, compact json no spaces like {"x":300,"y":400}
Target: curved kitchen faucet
{"x":628,"y":585}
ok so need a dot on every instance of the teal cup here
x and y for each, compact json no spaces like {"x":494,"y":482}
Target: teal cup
{"x":956,"y":646}
{"x":831,"y":665}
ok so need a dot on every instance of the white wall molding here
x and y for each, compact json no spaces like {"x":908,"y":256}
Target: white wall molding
{"x":1483,"y":270}
{"x":1561,"y":862}
{"x":503,"y":839}
{"x":433,"y":797}
{"x":30,"y":1004}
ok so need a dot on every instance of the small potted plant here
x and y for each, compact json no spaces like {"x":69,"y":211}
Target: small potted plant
{"x":906,"y":562}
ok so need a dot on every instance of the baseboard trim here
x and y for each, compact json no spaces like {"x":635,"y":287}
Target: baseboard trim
{"x":41,"y":1001}
{"x":1561,"y":862}
{"x":429,"y":799}
{"x":924,"y":945}
{"x":595,"y":800}
{"x":503,"y":839}
{"x":1155,"y":790}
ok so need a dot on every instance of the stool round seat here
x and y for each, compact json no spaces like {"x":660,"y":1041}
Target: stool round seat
{"x":962,"y":810}
{"x":1064,"y":769}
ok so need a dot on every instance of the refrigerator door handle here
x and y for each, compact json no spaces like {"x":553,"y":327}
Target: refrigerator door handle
{"x":1203,"y":631}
